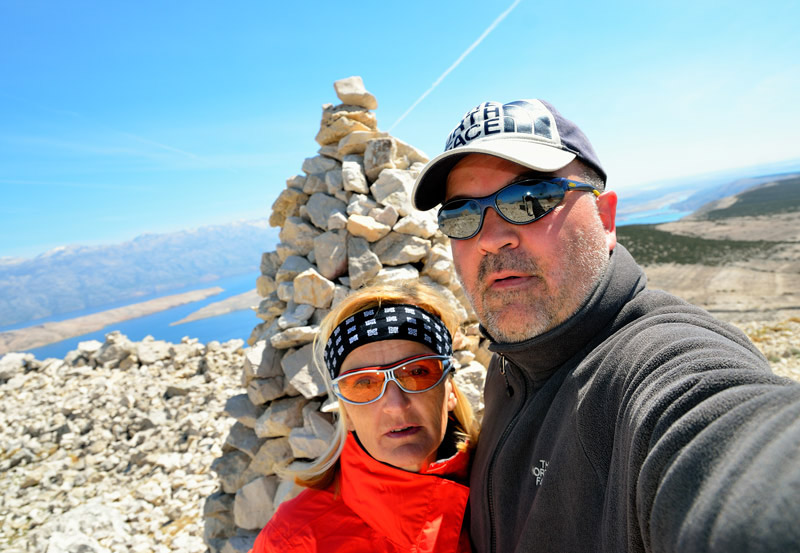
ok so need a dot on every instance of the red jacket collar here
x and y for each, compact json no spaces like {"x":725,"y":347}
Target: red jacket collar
{"x":423,"y":510}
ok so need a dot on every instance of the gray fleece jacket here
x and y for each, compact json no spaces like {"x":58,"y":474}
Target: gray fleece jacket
{"x":641,"y":424}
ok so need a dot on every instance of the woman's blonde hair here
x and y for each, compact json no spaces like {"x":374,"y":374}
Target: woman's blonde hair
{"x":321,"y":472}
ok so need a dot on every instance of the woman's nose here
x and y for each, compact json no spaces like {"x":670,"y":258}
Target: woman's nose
{"x":394,"y":397}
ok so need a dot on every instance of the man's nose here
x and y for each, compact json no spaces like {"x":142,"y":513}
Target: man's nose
{"x":496,"y":233}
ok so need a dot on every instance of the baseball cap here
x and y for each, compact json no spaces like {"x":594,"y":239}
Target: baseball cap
{"x":531,"y":133}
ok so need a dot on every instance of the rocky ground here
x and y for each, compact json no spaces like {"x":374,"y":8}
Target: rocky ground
{"x":779,"y":342}
{"x":110,"y":449}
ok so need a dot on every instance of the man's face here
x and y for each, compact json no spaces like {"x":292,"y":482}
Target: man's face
{"x":524,"y":280}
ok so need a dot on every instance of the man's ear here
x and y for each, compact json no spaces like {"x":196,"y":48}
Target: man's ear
{"x":607,"y":207}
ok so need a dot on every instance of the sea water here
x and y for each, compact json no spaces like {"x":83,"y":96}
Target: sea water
{"x":237,"y":324}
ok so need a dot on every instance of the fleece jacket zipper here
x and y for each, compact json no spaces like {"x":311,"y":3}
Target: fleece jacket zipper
{"x":495,"y":455}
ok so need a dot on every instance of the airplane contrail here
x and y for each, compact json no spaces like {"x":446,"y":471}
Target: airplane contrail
{"x":458,"y":61}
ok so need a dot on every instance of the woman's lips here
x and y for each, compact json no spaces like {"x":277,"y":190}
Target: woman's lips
{"x":402,"y":432}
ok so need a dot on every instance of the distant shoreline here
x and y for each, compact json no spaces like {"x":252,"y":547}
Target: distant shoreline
{"x":239,"y":302}
{"x":47,"y":333}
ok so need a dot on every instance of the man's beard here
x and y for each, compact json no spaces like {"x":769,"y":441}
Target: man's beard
{"x":561,"y":291}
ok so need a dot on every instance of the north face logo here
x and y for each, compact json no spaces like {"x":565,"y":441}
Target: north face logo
{"x":539,"y":470}
{"x":523,"y":117}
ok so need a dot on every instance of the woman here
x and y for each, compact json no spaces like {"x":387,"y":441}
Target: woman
{"x":394,"y":478}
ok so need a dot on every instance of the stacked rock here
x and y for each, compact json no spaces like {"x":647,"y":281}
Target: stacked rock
{"x":346,"y":222}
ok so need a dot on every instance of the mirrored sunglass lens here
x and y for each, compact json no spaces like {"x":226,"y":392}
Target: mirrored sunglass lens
{"x":523,"y":203}
{"x":460,"y":219}
{"x":420,"y":375}
{"x":362,"y":387}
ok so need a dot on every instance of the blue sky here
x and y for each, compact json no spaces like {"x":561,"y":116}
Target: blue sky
{"x":119,"y":118}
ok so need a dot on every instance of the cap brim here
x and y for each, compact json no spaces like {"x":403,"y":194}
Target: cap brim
{"x":429,"y":189}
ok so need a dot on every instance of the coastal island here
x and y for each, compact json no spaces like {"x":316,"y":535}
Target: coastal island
{"x":47,"y":333}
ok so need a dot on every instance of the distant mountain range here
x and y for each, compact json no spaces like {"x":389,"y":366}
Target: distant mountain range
{"x":76,"y":278}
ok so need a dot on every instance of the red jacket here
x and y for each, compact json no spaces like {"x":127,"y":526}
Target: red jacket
{"x":381,"y":509}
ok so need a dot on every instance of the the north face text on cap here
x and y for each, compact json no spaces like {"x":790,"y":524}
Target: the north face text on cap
{"x":493,"y":118}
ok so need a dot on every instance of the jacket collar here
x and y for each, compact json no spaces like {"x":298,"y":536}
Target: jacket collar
{"x":542,"y":355}
{"x":416,"y":511}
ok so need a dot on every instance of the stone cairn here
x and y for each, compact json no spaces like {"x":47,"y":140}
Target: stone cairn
{"x":347,"y":222}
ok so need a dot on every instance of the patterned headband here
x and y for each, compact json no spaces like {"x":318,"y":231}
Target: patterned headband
{"x":388,"y":322}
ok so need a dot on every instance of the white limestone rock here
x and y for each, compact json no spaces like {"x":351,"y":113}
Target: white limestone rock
{"x":387,"y":215}
{"x":395,"y":275}
{"x":286,"y":250}
{"x":319,"y":164}
{"x":273,"y":455}
{"x":470,"y":379}
{"x":362,"y":263}
{"x":330,"y":249}
{"x":244,"y":439}
{"x":262,"y":390}
{"x":242,"y":409}
{"x":409,"y":157}
{"x":351,"y":91}
{"x":379,"y":155}
{"x":269,"y":264}
{"x":300,"y":234}
{"x":114,"y":350}
{"x":397,"y":249}
{"x":334,"y":181}
{"x":301,"y":373}
{"x":333,"y":131}
{"x":314,"y":437}
{"x":321,"y":207}
{"x":314,"y":183}
{"x":312,"y":288}
{"x":353,"y":177}
{"x":295,"y":315}
{"x":417,"y":223}
{"x":356,"y":142}
{"x":366,"y":227}
{"x":285,"y":292}
{"x":252,"y":507}
{"x":13,"y":364}
{"x":331,"y":151}
{"x":331,"y":113}
{"x":297,"y":182}
{"x":336,"y":221}
{"x":270,"y":307}
{"x":438,"y":264}
{"x":340,"y":293}
{"x":394,"y":187}
{"x":287,"y":204}
{"x":265,"y":285}
{"x":360,"y":205}
{"x":281,"y":417}
{"x":293,"y":266}
{"x":287,"y":490}
{"x":293,"y":337}
{"x":239,"y":543}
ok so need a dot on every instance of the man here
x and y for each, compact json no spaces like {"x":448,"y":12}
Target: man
{"x":617,"y":418}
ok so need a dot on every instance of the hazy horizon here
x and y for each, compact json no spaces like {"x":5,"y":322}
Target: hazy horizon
{"x":151,"y":118}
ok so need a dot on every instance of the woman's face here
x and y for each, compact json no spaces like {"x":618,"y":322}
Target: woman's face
{"x":403,"y":430}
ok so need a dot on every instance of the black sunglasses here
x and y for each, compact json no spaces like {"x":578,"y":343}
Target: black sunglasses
{"x":519,"y":203}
